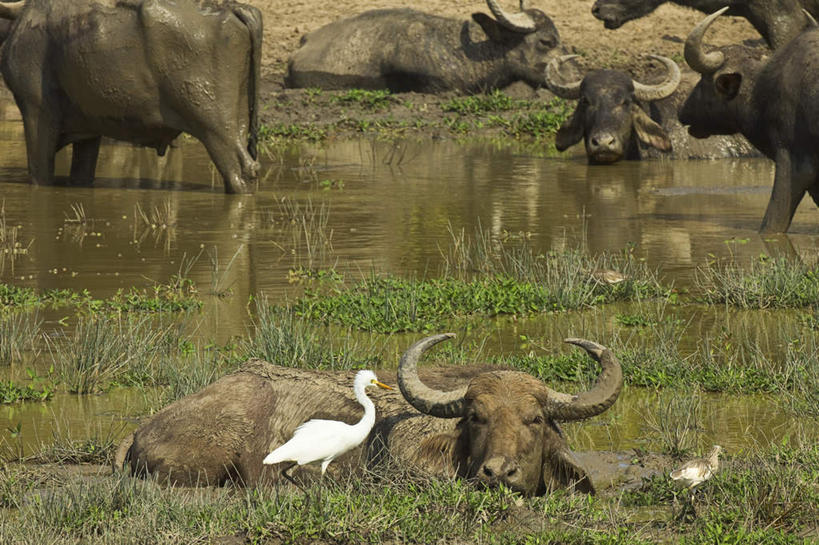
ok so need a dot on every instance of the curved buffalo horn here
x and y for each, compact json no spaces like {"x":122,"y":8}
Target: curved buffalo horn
{"x":811,"y":21}
{"x":601,"y":396}
{"x":569,"y":90}
{"x":420,"y":396}
{"x":518,"y":22}
{"x":648,"y":93}
{"x":697,"y":59}
{"x":11,"y":10}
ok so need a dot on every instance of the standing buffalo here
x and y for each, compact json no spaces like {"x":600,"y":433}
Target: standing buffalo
{"x":500,"y":428}
{"x":778,"y":21}
{"x":609,"y":116}
{"x":142,"y":71}
{"x":772,"y":102}
{"x":407,"y":50}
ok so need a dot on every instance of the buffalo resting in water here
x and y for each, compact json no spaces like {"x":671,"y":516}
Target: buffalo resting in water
{"x":408,"y":50}
{"x":500,"y":428}
{"x":773,"y":102}
{"x":609,"y":116}
{"x":141,"y":71}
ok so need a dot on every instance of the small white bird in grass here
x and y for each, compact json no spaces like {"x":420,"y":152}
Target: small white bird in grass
{"x":696,"y":471}
{"x":325,"y":440}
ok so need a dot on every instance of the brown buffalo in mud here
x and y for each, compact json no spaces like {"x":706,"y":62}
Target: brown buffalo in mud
{"x":778,"y":21}
{"x":407,"y":50}
{"x":773,"y":102}
{"x":141,"y":71}
{"x":610,"y":117}
{"x":500,"y":428}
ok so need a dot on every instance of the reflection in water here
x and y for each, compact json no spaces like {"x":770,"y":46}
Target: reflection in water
{"x":389,"y":206}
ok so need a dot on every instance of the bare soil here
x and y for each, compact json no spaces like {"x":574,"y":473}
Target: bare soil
{"x":662,"y":32}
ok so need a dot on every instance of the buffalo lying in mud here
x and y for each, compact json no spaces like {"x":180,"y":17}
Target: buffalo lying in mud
{"x":142,"y":71}
{"x":501,"y":428}
{"x":778,"y":21}
{"x":408,"y":50}
{"x":772,"y":102}
{"x":609,"y":116}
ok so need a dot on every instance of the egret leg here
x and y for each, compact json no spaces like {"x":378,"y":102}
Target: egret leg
{"x":288,"y":477}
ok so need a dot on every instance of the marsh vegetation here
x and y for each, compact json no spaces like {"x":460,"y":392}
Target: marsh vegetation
{"x":348,"y":258}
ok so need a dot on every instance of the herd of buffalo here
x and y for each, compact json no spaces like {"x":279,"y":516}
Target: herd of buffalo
{"x":144,"y":71}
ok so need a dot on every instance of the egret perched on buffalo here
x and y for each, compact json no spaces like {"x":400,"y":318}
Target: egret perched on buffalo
{"x":325,"y":440}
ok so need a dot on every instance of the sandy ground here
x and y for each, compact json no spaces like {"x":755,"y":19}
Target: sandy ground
{"x":662,"y":32}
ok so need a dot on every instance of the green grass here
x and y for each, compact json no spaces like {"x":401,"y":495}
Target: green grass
{"x":18,"y":333}
{"x":371,"y":99}
{"x":763,"y":498}
{"x":767,"y":283}
{"x":481,"y":278}
{"x":495,"y":101}
{"x":177,"y":295}
{"x":292,"y":131}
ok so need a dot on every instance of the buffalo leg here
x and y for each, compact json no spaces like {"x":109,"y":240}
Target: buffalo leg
{"x":788,"y":189}
{"x":41,"y":143}
{"x":84,"y":160}
{"x":232,"y":161}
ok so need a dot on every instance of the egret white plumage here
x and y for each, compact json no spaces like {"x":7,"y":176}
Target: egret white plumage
{"x":325,"y":440}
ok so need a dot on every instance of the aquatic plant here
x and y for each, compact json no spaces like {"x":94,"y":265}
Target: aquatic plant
{"x":766,"y":283}
{"x":280,"y":336}
{"x":18,"y":332}
{"x":102,"y":349}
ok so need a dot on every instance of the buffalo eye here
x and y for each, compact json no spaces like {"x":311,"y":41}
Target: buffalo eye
{"x":547,"y":43}
{"x":477,"y":419}
{"x":627,"y":102}
{"x":536,"y":420}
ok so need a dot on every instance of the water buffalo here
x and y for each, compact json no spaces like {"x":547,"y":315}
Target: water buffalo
{"x":142,"y":71}
{"x":777,"y":21}
{"x":770,"y":101}
{"x":609,"y":116}
{"x":408,"y":50}
{"x":500,"y":428}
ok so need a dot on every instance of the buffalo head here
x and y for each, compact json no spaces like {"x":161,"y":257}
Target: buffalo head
{"x":608,"y":114}
{"x":716,"y":104}
{"x":615,"y":13}
{"x":528,"y":36}
{"x":508,"y":432}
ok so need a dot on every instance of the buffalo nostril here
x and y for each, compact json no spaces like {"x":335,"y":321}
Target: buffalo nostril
{"x":595,"y":141}
{"x":488,"y":472}
{"x":512,"y":472}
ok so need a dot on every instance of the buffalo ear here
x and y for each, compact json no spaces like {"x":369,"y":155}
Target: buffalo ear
{"x":562,"y":469}
{"x":727,"y":85}
{"x":572,"y":130}
{"x":648,"y":131}
{"x":493,"y":30}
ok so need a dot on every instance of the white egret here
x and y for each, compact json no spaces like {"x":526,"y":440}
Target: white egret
{"x":325,"y":440}
{"x":696,"y":471}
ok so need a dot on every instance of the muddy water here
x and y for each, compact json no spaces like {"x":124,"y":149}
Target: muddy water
{"x":388,"y":206}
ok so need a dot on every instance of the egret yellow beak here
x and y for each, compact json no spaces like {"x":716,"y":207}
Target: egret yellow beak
{"x":381,"y":385}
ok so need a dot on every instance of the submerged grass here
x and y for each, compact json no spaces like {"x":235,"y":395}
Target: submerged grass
{"x":482,"y":277}
{"x":767,"y":283}
{"x":18,"y":332}
{"x":282,"y":337}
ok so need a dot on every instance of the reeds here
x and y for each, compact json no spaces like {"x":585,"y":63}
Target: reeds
{"x":765,"y":283}
{"x":281,"y":337}
{"x":102,"y":349}
{"x":18,"y":333}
